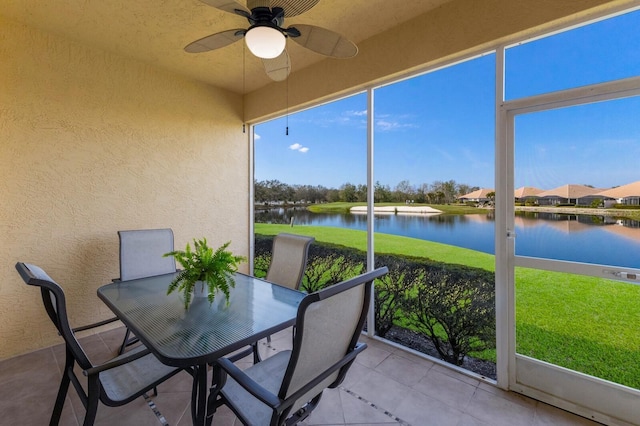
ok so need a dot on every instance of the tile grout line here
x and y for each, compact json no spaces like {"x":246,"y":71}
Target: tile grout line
{"x":374,"y":406}
{"x":155,"y":410}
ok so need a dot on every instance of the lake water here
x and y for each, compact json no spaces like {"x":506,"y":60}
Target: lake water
{"x":579,"y":238}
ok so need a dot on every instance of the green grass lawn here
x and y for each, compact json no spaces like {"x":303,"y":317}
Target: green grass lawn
{"x":584,"y":323}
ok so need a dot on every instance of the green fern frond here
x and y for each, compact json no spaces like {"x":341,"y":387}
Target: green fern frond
{"x":216,"y":268}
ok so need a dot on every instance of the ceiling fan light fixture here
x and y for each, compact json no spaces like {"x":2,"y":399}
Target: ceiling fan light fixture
{"x":265,"y":41}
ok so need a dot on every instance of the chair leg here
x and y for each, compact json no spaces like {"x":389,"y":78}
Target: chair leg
{"x":62,"y":393}
{"x":92,"y":403}
{"x":218,"y":379}
{"x":303,"y":412}
{"x":127,"y":341}
{"x":256,"y":353}
{"x":124,"y":342}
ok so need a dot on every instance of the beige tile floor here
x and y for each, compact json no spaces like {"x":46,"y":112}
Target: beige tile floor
{"x":386,"y":386}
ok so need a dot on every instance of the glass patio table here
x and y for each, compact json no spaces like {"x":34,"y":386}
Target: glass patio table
{"x":203,"y":333}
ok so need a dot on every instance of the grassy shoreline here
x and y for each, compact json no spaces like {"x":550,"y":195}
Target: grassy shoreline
{"x":583,"y":323}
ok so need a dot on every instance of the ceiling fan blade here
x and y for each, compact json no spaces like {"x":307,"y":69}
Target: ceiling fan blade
{"x":215,"y":41}
{"x":324,"y":41}
{"x":278,"y":68}
{"x":230,"y":6}
{"x":294,"y":7}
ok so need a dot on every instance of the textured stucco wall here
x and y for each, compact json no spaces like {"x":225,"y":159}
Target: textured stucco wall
{"x":91,"y":143}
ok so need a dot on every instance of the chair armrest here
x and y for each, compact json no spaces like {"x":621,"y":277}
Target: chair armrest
{"x":116,"y":362}
{"x":248,"y":383}
{"x":94,"y":325}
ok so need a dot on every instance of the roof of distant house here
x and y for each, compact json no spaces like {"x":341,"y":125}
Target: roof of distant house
{"x":479,"y":194}
{"x":628,"y":190}
{"x":527,"y":191}
{"x":570,"y":191}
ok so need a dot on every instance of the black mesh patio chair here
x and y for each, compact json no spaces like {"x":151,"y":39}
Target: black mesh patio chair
{"x":114,"y":383}
{"x":285,"y":388}
{"x":141,"y":253}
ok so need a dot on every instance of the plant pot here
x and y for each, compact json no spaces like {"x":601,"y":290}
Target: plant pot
{"x":200,"y":289}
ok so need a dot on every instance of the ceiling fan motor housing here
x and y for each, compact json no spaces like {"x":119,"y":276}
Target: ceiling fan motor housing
{"x":263,"y":16}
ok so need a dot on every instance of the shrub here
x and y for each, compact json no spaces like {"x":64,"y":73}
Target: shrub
{"x":261,"y":255}
{"x":452,"y":305}
{"x":390,"y":291}
{"x":626,"y":207}
{"x":455,"y":309}
{"x":325,"y":270}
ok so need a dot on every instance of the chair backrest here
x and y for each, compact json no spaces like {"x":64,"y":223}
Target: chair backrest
{"x":328,"y":325}
{"x":288,"y":259}
{"x":55,"y":305}
{"x":141,"y":253}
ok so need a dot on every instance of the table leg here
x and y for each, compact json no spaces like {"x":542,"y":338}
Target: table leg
{"x":199,"y":395}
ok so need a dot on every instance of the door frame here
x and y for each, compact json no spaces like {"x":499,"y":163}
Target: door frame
{"x":598,"y":399}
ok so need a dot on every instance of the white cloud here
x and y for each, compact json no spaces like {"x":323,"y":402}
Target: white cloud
{"x":386,"y":125}
{"x":256,"y":136}
{"x":298,"y":147}
{"x":387,"y":122}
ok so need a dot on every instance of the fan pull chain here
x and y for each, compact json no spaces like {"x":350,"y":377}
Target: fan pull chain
{"x":287,"y":106}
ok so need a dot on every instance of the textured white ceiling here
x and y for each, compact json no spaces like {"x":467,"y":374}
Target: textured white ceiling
{"x":156,"y":31}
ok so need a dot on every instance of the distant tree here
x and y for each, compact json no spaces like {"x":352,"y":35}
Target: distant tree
{"x":300,"y":193}
{"x":439,"y":192}
{"x":288,"y":193}
{"x":463,"y":188}
{"x":333,"y":195}
{"x":320,"y":194}
{"x":421,"y":193}
{"x":259,"y":192}
{"x":450,"y":189}
{"x":348,"y":193}
{"x":382,"y":193}
{"x":403,"y":191}
{"x":361,"y":193}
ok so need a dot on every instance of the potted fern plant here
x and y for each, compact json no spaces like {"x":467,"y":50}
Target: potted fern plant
{"x":204,"y":266}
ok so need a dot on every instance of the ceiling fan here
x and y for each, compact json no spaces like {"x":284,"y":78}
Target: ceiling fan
{"x":266,"y":35}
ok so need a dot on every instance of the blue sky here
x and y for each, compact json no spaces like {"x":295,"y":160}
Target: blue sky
{"x":440,"y":126}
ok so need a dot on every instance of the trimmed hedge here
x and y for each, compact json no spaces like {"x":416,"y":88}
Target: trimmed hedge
{"x":452,"y":305}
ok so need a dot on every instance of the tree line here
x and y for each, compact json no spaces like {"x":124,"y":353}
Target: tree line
{"x":438,"y":192}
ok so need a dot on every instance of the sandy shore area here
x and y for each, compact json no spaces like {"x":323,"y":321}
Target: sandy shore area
{"x":397,"y":210}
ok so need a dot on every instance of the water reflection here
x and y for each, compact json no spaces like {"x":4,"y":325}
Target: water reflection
{"x":580,"y":238}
